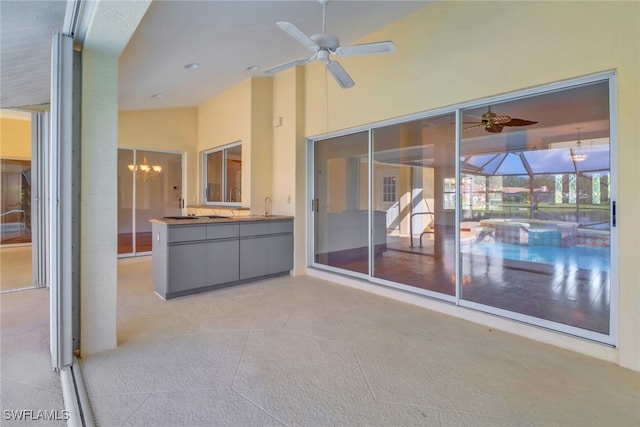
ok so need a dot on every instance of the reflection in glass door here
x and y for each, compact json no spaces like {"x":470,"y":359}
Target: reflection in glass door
{"x":15,"y":203}
{"x":411,"y":162}
{"x":341,"y":203}
{"x":536,"y":197}
{"x":149,"y":186}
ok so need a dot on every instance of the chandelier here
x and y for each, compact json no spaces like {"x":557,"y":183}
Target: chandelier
{"x":577,"y":155}
{"x":145,"y":169}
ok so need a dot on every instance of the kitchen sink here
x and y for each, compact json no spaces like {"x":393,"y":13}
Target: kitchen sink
{"x":213,"y":216}
{"x":179,"y":217}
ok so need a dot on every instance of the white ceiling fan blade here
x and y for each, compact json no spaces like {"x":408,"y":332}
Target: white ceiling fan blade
{"x":340,"y":75}
{"x":280,"y":67}
{"x":297,"y":34}
{"x":367,"y":49}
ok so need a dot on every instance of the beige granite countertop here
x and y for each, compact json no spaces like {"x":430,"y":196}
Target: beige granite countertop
{"x":205,"y":220}
{"x":234,"y":208}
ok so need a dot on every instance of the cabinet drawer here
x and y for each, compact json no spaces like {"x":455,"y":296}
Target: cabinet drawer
{"x":186,"y":233}
{"x":249,"y":229}
{"x":222,"y":231}
{"x":265,"y":227}
{"x":276,"y":227}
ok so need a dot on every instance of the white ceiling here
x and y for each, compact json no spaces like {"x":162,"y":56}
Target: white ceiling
{"x":26,"y":29}
{"x":226,"y":37}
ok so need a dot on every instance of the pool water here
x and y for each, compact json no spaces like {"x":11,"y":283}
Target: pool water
{"x":582,"y":257}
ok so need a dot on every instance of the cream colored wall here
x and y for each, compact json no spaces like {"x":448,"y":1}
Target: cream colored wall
{"x":226,"y":119}
{"x":174,"y":130}
{"x":453,"y":52}
{"x":261,"y":144}
{"x":15,"y":138}
{"x":289,"y":151}
{"x":285,"y":109}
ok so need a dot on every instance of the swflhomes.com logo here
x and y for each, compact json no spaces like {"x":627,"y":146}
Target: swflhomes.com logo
{"x":35,"y":415}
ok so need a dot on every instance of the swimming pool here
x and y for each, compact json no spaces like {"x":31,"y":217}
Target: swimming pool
{"x":577,"y":257}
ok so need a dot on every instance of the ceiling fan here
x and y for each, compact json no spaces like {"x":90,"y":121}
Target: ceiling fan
{"x":494,"y":123}
{"x":325,"y":44}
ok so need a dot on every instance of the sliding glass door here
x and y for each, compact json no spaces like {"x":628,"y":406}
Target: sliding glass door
{"x":149,"y":186}
{"x":341,"y":203}
{"x":537,"y":190}
{"x":15,"y":203}
{"x":411,"y":161}
{"x":508,"y":209}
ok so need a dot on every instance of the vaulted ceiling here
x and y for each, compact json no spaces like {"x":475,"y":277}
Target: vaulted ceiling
{"x":223,"y":37}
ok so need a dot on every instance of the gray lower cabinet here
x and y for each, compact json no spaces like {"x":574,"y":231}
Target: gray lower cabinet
{"x":265,"y":248}
{"x":254,"y":253}
{"x":222,"y":262}
{"x":187,"y":266}
{"x":194,"y":258}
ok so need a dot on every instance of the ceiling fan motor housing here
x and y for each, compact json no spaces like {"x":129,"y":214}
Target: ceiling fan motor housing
{"x":326,"y":41}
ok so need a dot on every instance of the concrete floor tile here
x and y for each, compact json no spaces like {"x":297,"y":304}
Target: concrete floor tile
{"x":189,"y":362}
{"x":112,"y":410}
{"x":199,"y":408}
{"x":18,"y":396}
{"x":239,"y":313}
{"x":305,"y":380}
{"x":15,"y":268}
{"x":427,"y":369}
{"x":457,"y":419}
{"x":146,"y":326}
{"x":300,"y":379}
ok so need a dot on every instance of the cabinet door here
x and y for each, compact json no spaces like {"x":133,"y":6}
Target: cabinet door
{"x":254,"y":261}
{"x":223,"y":264}
{"x":187,"y":266}
{"x":280,"y":253}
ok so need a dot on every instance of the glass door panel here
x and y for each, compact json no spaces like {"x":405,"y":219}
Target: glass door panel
{"x":341,"y":202}
{"x":535,"y":199}
{"x":15,"y":203}
{"x":125,"y":201}
{"x":149,"y":186}
{"x":413,"y":214}
{"x":158,"y":192}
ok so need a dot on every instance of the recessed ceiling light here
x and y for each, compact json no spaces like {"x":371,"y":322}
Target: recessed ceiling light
{"x":157,"y":95}
{"x":192,"y":66}
{"x":252,"y":68}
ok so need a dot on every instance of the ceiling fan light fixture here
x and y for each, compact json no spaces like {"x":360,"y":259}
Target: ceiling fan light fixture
{"x":577,"y":155}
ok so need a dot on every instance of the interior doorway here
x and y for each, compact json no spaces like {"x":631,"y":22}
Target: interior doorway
{"x":149,"y":186}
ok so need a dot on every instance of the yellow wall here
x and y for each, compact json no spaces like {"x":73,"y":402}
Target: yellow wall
{"x":15,"y":138}
{"x":174,"y":130}
{"x":261,"y":144}
{"x":227,"y":119}
{"x":452,"y":52}
{"x":243,"y":114}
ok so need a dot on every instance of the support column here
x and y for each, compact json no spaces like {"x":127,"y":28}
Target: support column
{"x":99,"y":268}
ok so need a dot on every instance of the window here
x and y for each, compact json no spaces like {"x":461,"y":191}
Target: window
{"x":389,"y":189}
{"x":449,"y":193}
{"x":223,"y":175}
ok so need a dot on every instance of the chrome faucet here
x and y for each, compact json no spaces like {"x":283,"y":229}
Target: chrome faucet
{"x":236,"y":189}
{"x":267,"y":199}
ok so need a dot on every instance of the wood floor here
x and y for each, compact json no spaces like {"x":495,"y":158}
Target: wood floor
{"x":125,"y":243}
